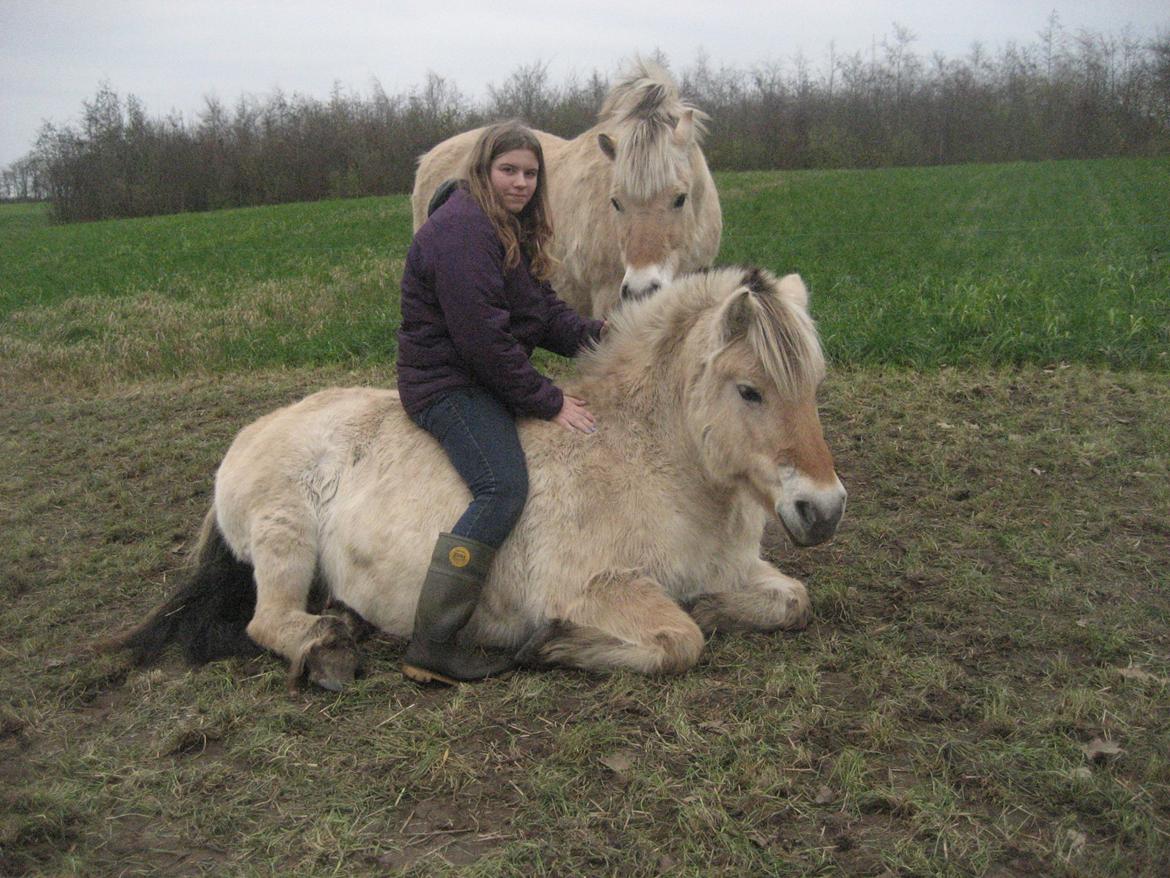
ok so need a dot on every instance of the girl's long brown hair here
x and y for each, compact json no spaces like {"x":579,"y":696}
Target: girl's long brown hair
{"x":530,"y":230}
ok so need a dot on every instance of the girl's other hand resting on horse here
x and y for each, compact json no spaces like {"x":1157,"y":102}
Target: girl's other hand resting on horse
{"x":574,"y":416}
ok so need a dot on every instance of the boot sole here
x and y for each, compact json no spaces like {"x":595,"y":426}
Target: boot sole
{"x":424,"y":675}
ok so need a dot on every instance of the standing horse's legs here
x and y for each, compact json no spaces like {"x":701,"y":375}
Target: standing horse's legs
{"x":766,"y":600}
{"x":621,"y":621}
{"x":284,"y":558}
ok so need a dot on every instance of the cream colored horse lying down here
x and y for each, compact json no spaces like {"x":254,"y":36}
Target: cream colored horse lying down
{"x":705,"y":397}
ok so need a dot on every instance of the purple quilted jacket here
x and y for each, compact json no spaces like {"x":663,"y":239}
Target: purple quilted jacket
{"x":466,"y":321}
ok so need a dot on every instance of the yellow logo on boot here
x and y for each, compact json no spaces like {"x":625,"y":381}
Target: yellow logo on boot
{"x":460,"y":556}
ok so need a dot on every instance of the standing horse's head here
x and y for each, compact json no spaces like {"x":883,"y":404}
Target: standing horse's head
{"x":664,"y":207}
{"x":752,"y":407}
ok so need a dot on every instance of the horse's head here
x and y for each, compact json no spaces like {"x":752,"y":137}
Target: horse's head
{"x":752,"y":408}
{"x":664,"y":208}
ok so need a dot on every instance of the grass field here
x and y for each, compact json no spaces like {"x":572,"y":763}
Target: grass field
{"x":984,"y":690}
{"x":999,"y":265}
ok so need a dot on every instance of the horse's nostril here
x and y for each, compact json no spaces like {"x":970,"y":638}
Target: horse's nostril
{"x":628,"y":294}
{"x":807,"y":512}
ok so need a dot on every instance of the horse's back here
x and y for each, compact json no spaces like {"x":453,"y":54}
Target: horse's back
{"x":309,"y":422}
{"x":442,"y":162}
{"x":279,"y":466}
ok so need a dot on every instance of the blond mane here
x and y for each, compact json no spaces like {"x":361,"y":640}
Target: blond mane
{"x":643,"y":109}
{"x":784,"y":338}
{"x":649,"y":336}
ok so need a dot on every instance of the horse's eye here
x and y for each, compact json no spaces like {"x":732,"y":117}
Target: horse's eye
{"x":617,"y":205}
{"x":680,"y":201}
{"x":749,"y":394}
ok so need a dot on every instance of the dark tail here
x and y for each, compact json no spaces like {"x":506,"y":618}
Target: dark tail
{"x":207,"y":615}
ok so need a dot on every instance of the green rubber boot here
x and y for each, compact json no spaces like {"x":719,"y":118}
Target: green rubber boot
{"x":449,"y":594}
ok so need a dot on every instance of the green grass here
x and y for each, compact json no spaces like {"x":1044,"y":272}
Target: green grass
{"x":302,"y":284}
{"x":1046,"y":263}
{"x":994,"y":602}
{"x":195,"y":254}
{"x":1006,"y":264}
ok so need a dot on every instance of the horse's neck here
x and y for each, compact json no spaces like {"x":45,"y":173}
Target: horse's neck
{"x":642,"y":377}
{"x":650,"y":416}
{"x":559,"y":151}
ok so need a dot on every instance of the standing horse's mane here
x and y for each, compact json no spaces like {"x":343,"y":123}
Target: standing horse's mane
{"x":646,"y":107}
{"x":783,"y":337}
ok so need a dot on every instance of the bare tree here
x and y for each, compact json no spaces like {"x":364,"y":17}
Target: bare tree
{"x":1062,"y":96}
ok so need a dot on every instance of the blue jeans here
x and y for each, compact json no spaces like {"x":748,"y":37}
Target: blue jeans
{"x":479,"y":435}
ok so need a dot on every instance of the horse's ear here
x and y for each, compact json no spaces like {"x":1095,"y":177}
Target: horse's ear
{"x":738,"y":314}
{"x":792,"y":288}
{"x":684,"y":131}
{"x":607,"y":146}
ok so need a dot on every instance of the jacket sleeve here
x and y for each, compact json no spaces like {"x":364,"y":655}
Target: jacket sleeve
{"x":469,"y":284}
{"x":566,"y":331}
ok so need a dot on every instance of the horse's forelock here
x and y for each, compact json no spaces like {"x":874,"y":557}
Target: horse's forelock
{"x":756,"y":281}
{"x":784,"y":338}
{"x":645,"y":90}
{"x":647,"y":162}
{"x":644,"y":109}
{"x":652,"y":102}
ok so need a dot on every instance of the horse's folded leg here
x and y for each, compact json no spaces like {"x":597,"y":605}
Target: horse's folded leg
{"x":568,"y":644}
{"x":329,"y":659}
{"x":357,"y":626}
{"x":784,"y":607}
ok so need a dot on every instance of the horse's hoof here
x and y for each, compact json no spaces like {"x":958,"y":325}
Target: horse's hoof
{"x":798,"y":608}
{"x":333,"y":667}
{"x":529,"y":654}
{"x":799,"y":613}
{"x":330,"y":660}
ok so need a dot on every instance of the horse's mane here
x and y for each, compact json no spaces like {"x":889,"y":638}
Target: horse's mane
{"x":784,"y":337}
{"x":646,"y":106}
{"x":647,"y":334}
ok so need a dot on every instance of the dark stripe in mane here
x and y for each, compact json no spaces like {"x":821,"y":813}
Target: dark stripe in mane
{"x":647,"y":93}
{"x":785,"y":337}
{"x":650,"y":104}
{"x":653,"y":333}
{"x":755,"y":281}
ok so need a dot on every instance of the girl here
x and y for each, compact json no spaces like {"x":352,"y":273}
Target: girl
{"x":475,"y":302}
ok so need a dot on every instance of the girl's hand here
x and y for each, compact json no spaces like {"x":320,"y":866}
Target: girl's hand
{"x":575,"y":417}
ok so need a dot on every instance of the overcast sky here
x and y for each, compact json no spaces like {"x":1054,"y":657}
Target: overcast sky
{"x":172,"y":53}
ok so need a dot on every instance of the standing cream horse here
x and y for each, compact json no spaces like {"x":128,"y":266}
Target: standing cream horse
{"x":705,"y":397}
{"x":632,"y":200}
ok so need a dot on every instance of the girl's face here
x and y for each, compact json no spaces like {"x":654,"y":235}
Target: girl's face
{"x":513,"y":176}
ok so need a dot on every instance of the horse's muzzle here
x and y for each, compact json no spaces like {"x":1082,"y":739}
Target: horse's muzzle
{"x":813,"y":518}
{"x":629,"y":294}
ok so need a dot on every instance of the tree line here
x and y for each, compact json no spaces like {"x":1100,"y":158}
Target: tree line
{"x":1063,"y":96}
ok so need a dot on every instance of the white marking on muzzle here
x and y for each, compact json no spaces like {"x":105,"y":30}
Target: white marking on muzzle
{"x":810,"y":511}
{"x":638,"y":283}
